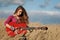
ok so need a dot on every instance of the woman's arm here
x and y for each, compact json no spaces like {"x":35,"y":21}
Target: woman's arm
{"x":11,"y":27}
{"x":6,"y":23}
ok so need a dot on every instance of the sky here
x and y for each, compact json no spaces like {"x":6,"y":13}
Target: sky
{"x":43,"y":11}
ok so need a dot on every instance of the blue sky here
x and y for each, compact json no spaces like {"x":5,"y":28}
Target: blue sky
{"x":43,"y":11}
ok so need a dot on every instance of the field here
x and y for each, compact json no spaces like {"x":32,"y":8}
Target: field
{"x":53,"y":32}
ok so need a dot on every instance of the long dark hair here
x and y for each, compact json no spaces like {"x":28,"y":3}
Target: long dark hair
{"x":24,"y":17}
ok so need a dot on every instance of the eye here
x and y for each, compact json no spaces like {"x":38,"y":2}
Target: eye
{"x":20,"y":10}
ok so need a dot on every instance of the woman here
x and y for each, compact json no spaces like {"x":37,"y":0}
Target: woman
{"x":19,"y":18}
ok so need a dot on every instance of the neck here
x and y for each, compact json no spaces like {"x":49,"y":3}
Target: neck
{"x":15,"y":15}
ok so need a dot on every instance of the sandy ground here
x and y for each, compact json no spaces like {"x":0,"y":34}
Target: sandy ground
{"x":53,"y":32}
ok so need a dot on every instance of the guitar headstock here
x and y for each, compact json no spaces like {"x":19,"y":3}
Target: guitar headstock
{"x":44,"y":28}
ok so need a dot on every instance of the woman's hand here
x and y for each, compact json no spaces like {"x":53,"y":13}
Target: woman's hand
{"x":12,"y":28}
{"x":16,"y":31}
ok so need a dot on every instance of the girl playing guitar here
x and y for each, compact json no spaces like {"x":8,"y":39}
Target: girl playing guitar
{"x":15,"y":21}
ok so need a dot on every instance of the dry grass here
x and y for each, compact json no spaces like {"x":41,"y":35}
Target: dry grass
{"x":53,"y":32}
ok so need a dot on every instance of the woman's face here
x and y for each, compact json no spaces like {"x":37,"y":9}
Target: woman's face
{"x":19,"y":12}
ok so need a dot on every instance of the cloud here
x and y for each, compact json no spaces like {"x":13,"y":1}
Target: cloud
{"x":11,"y":2}
{"x":44,"y":17}
{"x":57,"y":6}
{"x":51,"y":13}
{"x":45,"y":3}
{"x":6,"y":11}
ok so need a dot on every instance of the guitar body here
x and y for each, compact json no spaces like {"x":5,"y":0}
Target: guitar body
{"x":16,"y":25}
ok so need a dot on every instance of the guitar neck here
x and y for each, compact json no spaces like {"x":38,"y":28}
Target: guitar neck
{"x":28,"y":28}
